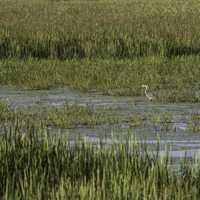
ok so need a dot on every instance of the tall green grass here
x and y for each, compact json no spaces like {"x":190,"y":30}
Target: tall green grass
{"x":173,"y":80}
{"x":99,"y":29}
{"x":110,"y":46}
{"x":35,"y":165}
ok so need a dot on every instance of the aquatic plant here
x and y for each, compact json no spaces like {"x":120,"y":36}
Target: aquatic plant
{"x":194,"y":122}
{"x":72,"y":116}
{"x":135,"y":120}
{"x":68,"y":116}
{"x":36,"y":165}
{"x":160,"y":121}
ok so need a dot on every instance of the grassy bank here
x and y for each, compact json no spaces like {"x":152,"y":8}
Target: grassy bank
{"x":99,"y":29}
{"x":173,"y":80}
{"x":37,"y":166}
{"x":109,"y":46}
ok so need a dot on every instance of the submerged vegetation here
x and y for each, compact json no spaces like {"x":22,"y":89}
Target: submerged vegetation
{"x":69,"y":116}
{"x":74,"y":116}
{"x":35,"y":165}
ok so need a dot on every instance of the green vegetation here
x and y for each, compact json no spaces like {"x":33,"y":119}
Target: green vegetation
{"x":194,"y":122}
{"x":73,"y":116}
{"x":35,"y":165}
{"x":110,"y":46}
{"x":103,"y":29}
{"x":69,"y":116}
{"x":173,"y":80}
{"x":135,"y":120}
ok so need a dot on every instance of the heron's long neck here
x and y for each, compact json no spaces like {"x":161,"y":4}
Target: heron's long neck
{"x":146,"y":90}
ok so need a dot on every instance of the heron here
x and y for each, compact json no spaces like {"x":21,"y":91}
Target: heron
{"x":148,"y":95}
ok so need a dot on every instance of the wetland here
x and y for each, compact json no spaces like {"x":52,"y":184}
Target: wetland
{"x":74,"y":120}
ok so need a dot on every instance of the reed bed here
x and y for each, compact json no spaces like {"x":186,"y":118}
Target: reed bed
{"x":172,"y":80}
{"x":109,"y":46}
{"x":99,"y":29}
{"x":35,"y":165}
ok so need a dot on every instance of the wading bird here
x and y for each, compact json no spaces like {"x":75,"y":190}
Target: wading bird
{"x":148,"y":95}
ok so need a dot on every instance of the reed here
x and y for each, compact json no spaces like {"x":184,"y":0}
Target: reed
{"x":35,"y":165}
{"x":98,"y":29}
{"x":172,"y":80}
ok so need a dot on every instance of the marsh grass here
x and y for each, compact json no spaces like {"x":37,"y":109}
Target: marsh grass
{"x":69,"y":116}
{"x":112,"y":47}
{"x":73,"y":116}
{"x":194,"y":122}
{"x":73,"y":37}
{"x":35,"y":165}
{"x":135,"y":120}
{"x":172,"y":80}
{"x":162,"y":121}
{"x":98,"y":29}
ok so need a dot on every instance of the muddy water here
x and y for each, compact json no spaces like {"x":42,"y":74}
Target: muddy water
{"x":177,"y":137}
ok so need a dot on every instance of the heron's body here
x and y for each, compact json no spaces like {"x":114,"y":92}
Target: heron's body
{"x":148,"y":95}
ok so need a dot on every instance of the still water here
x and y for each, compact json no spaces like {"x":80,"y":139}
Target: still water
{"x":177,"y":137}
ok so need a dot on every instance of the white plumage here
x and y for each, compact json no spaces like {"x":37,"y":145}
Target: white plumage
{"x":148,"y":95}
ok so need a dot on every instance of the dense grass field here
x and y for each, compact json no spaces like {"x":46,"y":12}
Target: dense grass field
{"x":110,"y":46}
{"x":173,"y":80}
{"x":91,"y":29}
{"x":35,"y":165}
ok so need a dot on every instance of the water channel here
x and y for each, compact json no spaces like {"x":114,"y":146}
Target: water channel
{"x":181,"y":141}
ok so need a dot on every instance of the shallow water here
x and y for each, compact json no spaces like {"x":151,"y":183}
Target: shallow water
{"x":174,"y":135}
